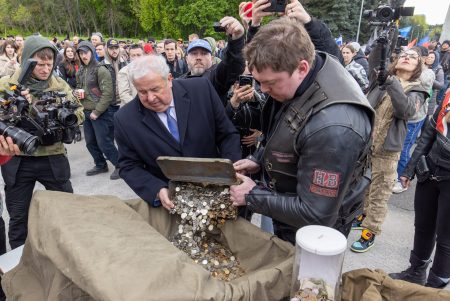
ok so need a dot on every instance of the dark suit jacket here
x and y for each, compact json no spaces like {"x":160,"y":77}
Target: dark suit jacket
{"x":205,"y":132}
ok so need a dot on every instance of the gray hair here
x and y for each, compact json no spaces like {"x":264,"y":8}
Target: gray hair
{"x":148,"y":64}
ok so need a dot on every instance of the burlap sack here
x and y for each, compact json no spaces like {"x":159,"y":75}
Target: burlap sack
{"x":99,"y":248}
{"x":376,"y":285}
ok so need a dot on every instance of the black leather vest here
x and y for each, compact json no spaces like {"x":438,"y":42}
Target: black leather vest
{"x":332,"y":85}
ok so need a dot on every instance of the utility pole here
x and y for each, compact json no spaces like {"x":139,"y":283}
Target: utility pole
{"x":359,"y":23}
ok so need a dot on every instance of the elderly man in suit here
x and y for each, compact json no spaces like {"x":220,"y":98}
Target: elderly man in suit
{"x":183,"y":118}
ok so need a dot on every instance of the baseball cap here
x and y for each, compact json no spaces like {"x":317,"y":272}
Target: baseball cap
{"x":112,"y":43}
{"x":199,"y":44}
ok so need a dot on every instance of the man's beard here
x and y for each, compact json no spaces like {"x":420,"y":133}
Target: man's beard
{"x":197,"y":71}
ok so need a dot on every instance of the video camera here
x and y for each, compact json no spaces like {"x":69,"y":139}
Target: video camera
{"x":385,"y":14}
{"x":385,"y":19}
{"x":48,"y":120}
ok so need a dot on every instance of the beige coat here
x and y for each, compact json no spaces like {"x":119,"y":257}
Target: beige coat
{"x":127,"y":91}
{"x":6,"y":68}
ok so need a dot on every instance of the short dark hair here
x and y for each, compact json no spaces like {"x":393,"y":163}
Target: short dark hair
{"x":100,"y":44}
{"x":136,"y":46}
{"x":45,"y":54}
{"x":170,"y":41}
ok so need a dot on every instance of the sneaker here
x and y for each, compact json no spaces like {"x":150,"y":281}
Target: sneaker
{"x":357,"y":223}
{"x":364,"y":243}
{"x":97,"y":170}
{"x":398,"y":188}
{"x":115,"y":174}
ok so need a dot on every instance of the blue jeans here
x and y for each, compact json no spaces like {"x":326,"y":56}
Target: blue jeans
{"x":411,"y":137}
{"x":99,"y":137}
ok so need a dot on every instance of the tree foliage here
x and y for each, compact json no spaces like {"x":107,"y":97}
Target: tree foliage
{"x":163,"y":18}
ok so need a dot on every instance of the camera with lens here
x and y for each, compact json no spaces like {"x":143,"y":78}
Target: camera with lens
{"x":218,"y":28}
{"x":48,"y":120}
{"x":385,"y":14}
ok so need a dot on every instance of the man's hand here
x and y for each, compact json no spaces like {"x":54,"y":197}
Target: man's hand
{"x":246,"y":166}
{"x":92,"y":116}
{"x":233,"y":27}
{"x":7,"y":147}
{"x":251,"y":139}
{"x":405,"y":182}
{"x":163,"y":196}
{"x":244,"y":14}
{"x":257,"y":11}
{"x":238,"y":192}
{"x":26,"y":94}
{"x":241,"y":94}
{"x":295,"y":10}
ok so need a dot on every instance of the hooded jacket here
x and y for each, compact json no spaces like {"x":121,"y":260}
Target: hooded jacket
{"x":53,"y":83}
{"x":96,"y":81}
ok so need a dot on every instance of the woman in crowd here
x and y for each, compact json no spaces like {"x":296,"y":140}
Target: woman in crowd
{"x":433,"y":63}
{"x":8,"y":59}
{"x":69,"y":66}
{"x":394,"y":102}
{"x":431,"y":163}
{"x":355,"y":69}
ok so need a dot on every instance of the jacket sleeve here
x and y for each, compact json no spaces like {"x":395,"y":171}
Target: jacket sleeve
{"x":62,"y":71}
{"x":439,"y":81}
{"x":229,"y":69}
{"x":132,"y":167}
{"x":323,"y":174}
{"x":106,"y":86}
{"x":123,"y":84}
{"x":405,"y":104}
{"x":322,"y":39}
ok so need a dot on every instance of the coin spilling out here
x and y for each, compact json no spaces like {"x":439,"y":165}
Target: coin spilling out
{"x":314,"y":289}
{"x":201,"y":210}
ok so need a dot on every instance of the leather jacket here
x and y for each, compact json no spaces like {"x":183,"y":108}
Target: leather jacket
{"x":434,"y":143}
{"x":310,"y":173}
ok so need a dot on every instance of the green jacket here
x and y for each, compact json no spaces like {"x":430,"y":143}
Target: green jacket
{"x":55,"y":84}
{"x":96,"y":81}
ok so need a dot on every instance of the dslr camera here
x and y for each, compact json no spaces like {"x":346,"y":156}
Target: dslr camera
{"x":385,"y":14}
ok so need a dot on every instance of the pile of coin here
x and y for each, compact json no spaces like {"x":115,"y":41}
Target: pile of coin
{"x":312,"y":289}
{"x":201,"y":210}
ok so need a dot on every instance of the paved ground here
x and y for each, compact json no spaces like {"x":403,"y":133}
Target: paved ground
{"x":390,"y":252}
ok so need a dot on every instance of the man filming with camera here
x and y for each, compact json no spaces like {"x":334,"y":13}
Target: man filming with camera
{"x":48,"y":164}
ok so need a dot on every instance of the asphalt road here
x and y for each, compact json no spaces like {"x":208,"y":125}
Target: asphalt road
{"x":390,"y":252}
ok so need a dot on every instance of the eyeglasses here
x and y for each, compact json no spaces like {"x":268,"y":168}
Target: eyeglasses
{"x":411,"y":55}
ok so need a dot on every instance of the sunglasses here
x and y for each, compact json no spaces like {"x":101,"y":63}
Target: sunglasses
{"x":411,"y":55}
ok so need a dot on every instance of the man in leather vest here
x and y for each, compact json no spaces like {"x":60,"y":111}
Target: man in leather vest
{"x":317,"y":129}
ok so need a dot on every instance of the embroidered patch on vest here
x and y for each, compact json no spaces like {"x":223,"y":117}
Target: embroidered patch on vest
{"x":325,"y":183}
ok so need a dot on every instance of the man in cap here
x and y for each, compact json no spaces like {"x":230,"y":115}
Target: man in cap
{"x":48,"y":164}
{"x":96,"y":81}
{"x":225,"y":74}
{"x":114,"y":61}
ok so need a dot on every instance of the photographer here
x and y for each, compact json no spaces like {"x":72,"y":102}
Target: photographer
{"x":48,"y":164}
{"x":244,"y":110}
{"x":223,"y":75}
{"x":395,"y":100}
{"x":317,"y":30}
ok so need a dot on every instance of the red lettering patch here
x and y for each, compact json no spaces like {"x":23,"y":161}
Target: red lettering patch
{"x":325,"y":183}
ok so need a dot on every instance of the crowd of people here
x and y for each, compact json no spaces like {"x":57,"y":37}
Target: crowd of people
{"x":281,"y":101}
